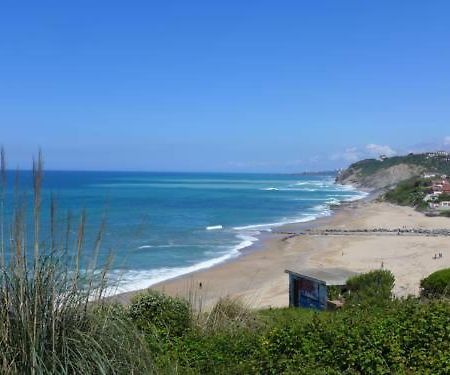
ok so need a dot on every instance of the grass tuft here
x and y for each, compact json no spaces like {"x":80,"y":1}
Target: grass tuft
{"x":52,"y":316}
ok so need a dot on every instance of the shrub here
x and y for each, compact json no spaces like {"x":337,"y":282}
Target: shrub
{"x":227,"y":313}
{"x":409,"y":193}
{"x":219,"y":352}
{"x":444,"y":197}
{"x":170,"y":316}
{"x":372,"y":288}
{"x":404,"y":337}
{"x":437,"y":284}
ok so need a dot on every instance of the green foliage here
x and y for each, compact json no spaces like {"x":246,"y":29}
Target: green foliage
{"x":218,"y":352}
{"x":409,"y":193}
{"x":399,"y":339}
{"x":227,"y":313}
{"x":437,"y":284}
{"x":443,"y":198}
{"x":168,"y":315}
{"x":404,"y":337}
{"x":334,"y":292}
{"x":373,"y":288}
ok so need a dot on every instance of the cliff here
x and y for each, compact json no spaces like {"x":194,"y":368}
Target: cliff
{"x":380,"y":174}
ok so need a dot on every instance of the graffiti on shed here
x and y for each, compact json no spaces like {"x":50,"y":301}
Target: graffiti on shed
{"x":310,"y":289}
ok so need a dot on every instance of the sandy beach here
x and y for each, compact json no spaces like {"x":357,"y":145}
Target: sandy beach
{"x":258,"y":276}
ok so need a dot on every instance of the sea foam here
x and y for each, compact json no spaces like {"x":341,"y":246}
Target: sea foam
{"x":129,"y":280}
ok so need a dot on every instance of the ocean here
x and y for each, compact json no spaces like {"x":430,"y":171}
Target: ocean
{"x":163,"y":225}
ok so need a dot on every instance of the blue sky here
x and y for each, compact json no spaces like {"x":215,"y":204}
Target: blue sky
{"x":222,"y":85}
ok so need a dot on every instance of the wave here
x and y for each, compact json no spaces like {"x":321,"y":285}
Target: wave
{"x":357,"y":197}
{"x":140,"y":279}
{"x":270,"y":189}
{"x":306,"y":217}
{"x":170,"y":246}
{"x":214,"y":227}
{"x":316,"y":212}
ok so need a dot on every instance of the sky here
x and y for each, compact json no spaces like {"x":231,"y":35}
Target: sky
{"x":239,"y":86}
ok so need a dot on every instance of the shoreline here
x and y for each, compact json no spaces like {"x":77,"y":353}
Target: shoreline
{"x":263,"y":239}
{"x":253,"y":238}
{"x":258,"y":277}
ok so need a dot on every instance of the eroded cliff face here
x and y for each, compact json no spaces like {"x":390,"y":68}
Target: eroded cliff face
{"x":381,"y":178}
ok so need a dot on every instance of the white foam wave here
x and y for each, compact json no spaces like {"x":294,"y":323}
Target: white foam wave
{"x":316,"y":212}
{"x":171,"y":246}
{"x":140,"y":279}
{"x":270,"y":189}
{"x":268,"y":227}
{"x":214,"y":227}
{"x":357,"y":197}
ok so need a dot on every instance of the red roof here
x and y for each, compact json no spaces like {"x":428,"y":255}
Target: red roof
{"x":441,"y":186}
{"x":446,"y":187}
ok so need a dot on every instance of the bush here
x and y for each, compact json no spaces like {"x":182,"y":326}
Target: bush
{"x":227,"y":313}
{"x":437,"y":284}
{"x":219,"y":352}
{"x":409,"y":193}
{"x":404,"y":337}
{"x":170,"y":316}
{"x":372,"y":288}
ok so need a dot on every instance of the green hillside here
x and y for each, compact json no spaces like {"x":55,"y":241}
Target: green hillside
{"x":430,"y":164}
{"x":388,"y":172}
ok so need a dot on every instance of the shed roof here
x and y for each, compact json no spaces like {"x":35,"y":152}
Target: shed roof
{"x":330,"y":276}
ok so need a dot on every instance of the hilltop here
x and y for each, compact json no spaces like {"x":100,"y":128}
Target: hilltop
{"x":387,"y":172}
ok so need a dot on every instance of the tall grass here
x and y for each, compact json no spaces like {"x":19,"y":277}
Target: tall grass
{"x":52,"y":316}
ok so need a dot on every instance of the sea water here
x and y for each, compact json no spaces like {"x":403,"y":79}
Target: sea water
{"x":163,"y":225}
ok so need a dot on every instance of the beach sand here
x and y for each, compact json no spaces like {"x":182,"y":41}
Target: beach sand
{"x":258,"y":276}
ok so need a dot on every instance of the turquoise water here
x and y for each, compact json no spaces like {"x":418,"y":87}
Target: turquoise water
{"x":162,"y":225}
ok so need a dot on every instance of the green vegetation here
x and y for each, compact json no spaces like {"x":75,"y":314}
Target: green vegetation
{"x":372,"y":288}
{"x":409,"y":193}
{"x":365,"y":337}
{"x":171,"y":316}
{"x":53,"y":319}
{"x":402,"y":337}
{"x":437,"y":284}
{"x":443,"y":198}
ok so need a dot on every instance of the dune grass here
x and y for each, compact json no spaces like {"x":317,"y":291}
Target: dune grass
{"x":52,"y":318}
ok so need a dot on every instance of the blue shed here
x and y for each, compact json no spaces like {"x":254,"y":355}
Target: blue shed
{"x":310,"y":287}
